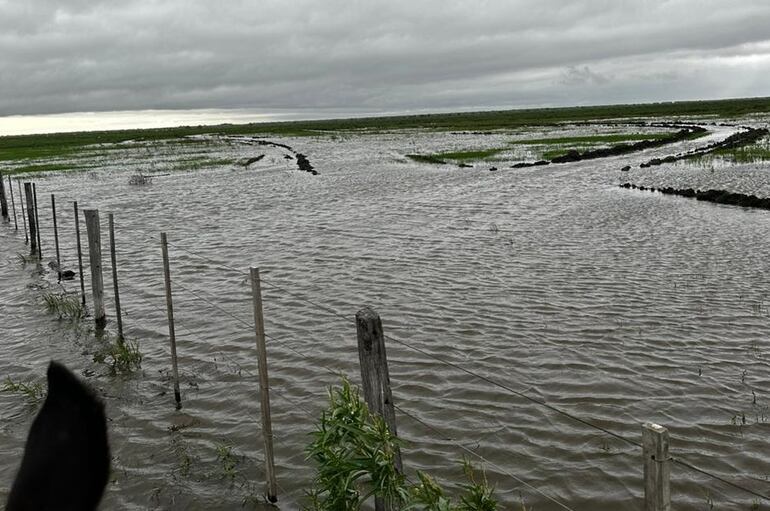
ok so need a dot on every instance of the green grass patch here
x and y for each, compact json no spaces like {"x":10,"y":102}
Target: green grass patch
{"x":609,"y":138}
{"x":49,"y":167}
{"x":753,"y":153}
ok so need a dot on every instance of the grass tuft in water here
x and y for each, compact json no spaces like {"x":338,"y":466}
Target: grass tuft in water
{"x":33,"y":391}
{"x":64,"y":305}
{"x":122,"y":356}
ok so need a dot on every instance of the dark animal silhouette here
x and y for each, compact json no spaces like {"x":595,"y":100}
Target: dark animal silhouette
{"x":67,"y":458}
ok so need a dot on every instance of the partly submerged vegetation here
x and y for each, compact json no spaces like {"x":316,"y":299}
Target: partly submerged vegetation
{"x":355,"y":455}
{"x":756,"y":152}
{"x":33,"y":391}
{"x":64,"y":305}
{"x":557,"y":147}
{"x":26,"y":147}
{"x":121,"y":356}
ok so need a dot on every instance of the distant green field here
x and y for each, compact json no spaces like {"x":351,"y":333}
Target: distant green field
{"x":14,"y":148}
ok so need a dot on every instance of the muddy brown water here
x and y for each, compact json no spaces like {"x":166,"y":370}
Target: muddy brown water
{"x":617,"y":306}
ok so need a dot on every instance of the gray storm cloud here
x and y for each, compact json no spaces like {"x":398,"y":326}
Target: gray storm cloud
{"x":70,"y":56}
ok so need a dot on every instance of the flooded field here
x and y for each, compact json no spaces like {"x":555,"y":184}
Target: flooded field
{"x":616,"y":306}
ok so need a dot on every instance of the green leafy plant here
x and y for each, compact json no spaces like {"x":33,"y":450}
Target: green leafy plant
{"x":355,"y":453}
{"x":228,"y":461}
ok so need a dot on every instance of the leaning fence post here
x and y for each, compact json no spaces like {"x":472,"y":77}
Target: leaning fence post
{"x":13,"y":203}
{"x":113,"y":260}
{"x":374,"y":372}
{"x":267,"y":427}
{"x":657,"y":468}
{"x":37,"y":223}
{"x":80,"y":255}
{"x":170,"y":311}
{"x":31,"y":217}
{"x":95,"y":257}
{"x":3,"y":200}
{"x":56,"y":236}
{"x":23,"y":219}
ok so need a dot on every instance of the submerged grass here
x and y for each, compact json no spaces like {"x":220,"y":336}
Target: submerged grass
{"x":24,"y":147}
{"x":64,"y":305}
{"x":757,"y":152}
{"x":121,"y":356}
{"x":33,"y":391}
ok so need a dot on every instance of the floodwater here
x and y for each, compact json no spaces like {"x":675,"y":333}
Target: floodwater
{"x":616,"y":306}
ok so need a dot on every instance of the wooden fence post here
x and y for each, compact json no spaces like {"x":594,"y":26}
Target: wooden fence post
{"x":267,"y":426}
{"x":657,"y":468}
{"x":113,"y":260}
{"x":375,"y":377}
{"x":13,"y":203}
{"x":95,"y":256}
{"x":31,"y":217}
{"x":37,"y":223}
{"x":56,"y":236}
{"x":3,"y":200}
{"x":170,"y":311}
{"x":23,"y":218}
{"x":80,"y":255}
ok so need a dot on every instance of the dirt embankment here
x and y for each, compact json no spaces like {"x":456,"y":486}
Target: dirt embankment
{"x":715,"y":196}
{"x":303,"y":163}
{"x":685,"y":132}
{"x":742,"y":138}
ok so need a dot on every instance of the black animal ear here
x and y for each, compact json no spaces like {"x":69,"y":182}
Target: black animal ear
{"x":66,"y":460}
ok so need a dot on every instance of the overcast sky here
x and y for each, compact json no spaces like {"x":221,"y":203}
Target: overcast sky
{"x":341,"y":56}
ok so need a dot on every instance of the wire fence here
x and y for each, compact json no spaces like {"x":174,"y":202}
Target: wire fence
{"x":519,"y":390}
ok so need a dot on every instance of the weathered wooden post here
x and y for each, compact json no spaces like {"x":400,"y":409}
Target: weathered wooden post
{"x":23,"y":219}
{"x":267,"y":425}
{"x":3,"y":200}
{"x":375,"y":377}
{"x":95,"y":257}
{"x":37,"y":223}
{"x":80,"y":255}
{"x":113,"y":260}
{"x":13,"y":203}
{"x":657,"y":468}
{"x":56,"y":236}
{"x":31,"y":217}
{"x":170,"y":311}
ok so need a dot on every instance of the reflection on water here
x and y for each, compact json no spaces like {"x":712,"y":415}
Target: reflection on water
{"x":617,"y":306}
